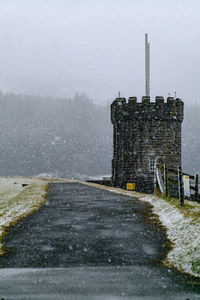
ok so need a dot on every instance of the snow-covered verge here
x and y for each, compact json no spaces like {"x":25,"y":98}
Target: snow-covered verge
{"x":18,"y":201}
{"x":182,"y":225}
{"x":183,"y":230}
{"x":20,"y":197}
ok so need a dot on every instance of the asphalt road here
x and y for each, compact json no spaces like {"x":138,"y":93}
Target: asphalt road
{"x":87,"y":243}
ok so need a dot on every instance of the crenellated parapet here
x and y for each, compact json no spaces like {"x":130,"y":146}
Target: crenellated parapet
{"x":171,"y":110}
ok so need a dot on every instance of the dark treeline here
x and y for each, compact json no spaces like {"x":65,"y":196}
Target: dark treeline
{"x":69,"y":137}
{"x":66,"y":137}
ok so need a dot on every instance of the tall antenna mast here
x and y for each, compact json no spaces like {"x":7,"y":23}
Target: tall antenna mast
{"x":147,"y":65}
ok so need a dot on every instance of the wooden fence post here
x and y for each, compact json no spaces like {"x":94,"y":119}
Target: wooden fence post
{"x":197,"y":188}
{"x":178,"y":183}
{"x":166,"y":182}
{"x":181,"y":193}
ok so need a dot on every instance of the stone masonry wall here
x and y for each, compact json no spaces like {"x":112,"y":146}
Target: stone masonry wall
{"x":144,"y":130}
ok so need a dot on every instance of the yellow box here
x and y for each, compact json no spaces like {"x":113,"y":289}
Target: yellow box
{"x":130,"y":186}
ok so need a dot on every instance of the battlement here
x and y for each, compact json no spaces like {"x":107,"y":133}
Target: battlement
{"x":171,"y":110}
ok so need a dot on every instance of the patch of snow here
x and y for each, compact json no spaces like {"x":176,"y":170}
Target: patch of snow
{"x":100,"y":177}
{"x":46,"y":175}
{"x":182,"y":231}
{"x":18,"y":201}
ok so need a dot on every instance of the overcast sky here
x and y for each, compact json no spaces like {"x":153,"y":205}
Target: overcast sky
{"x":59,"y":47}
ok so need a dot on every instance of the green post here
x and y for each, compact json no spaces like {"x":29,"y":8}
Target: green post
{"x":197,"y":188}
{"x":181,"y":194}
{"x":166,"y":182}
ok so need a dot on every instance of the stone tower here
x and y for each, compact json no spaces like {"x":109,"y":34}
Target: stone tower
{"x":144,"y":133}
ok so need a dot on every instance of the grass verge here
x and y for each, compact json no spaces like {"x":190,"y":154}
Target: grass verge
{"x":25,"y":201}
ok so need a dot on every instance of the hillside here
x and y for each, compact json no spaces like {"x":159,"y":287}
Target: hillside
{"x":69,"y":137}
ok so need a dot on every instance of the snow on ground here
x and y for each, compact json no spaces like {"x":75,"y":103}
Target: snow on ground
{"x":17,"y":201}
{"x":182,"y":225}
{"x":183,"y":231}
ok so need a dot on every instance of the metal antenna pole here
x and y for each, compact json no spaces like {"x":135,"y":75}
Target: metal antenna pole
{"x":147,"y":65}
